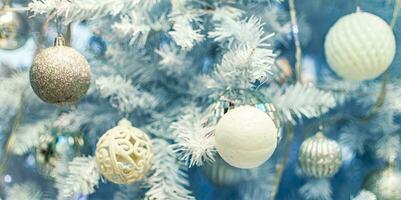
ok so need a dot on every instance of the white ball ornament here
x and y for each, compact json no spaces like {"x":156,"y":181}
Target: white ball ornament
{"x":360,"y":46}
{"x":246,"y":137}
{"x":384,"y":183}
{"x":124,"y":153}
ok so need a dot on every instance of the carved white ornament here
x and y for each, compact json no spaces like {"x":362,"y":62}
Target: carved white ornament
{"x":124,"y":153}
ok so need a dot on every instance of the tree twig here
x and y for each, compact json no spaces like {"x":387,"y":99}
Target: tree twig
{"x":280,"y":166}
{"x":282,"y":163}
{"x":383,"y":90}
{"x":297,"y":43}
{"x":10,"y":142}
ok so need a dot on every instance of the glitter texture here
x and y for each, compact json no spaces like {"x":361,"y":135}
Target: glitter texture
{"x":60,"y":75}
{"x":14,"y":30}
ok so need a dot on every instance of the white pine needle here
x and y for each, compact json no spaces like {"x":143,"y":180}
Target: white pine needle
{"x":77,"y":10}
{"x":169,"y":179}
{"x":123,"y":95}
{"x":194,"y":144}
{"x":80,"y":176}
{"x":316,"y":189}
{"x":24,"y":191}
{"x":303,"y":100}
{"x":365,"y":195}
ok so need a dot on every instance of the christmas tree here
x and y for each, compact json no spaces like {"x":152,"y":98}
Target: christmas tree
{"x":200,"y":99}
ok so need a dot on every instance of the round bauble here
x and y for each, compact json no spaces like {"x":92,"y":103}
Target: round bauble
{"x":14,"y":29}
{"x":222,"y":174}
{"x":246,"y":137}
{"x":60,"y":74}
{"x":385,"y":183}
{"x":124,"y":153}
{"x":319,"y":157}
{"x":360,"y":46}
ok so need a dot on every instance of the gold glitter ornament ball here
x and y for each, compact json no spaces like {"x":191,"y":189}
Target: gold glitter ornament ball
{"x":319,"y":157}
{"x":60,"y":74}
{"x":124,"y":153}
{"x":14,"y":29}
{"x":385,"y":183}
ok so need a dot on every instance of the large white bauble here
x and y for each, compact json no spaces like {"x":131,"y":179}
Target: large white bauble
{"x":246,"y":137}
{"x":360,"y":46}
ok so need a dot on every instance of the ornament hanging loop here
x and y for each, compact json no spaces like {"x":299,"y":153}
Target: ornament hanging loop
{"x":321,"y":120}
{"x":59,"y":40}
{"x":59,"y":25}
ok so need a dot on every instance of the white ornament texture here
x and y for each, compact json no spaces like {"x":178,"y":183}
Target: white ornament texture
{"x":246,"y":137}
{"x":124,"y":153}
{"x":360,"y":46}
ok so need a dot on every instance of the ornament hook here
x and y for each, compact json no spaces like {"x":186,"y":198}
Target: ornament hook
{"x":59,"y":40}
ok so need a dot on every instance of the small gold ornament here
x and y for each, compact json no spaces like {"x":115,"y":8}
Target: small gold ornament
{"x":56,"y":146}
{"x":60,"y":74}
{"x":319,"y":157}
{"x":385,"y":183}
{"x":14,"y":29}
{"x":124,"y":153}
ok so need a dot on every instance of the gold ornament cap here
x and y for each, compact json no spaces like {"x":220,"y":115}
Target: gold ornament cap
{"x":59,"y":40}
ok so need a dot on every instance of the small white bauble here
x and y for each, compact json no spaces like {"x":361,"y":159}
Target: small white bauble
{"x":246,"y":137}
{"x":360,"y":46}
{"x":385,"y":183}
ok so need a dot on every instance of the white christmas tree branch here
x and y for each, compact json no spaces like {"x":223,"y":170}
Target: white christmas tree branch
{"x":303,"y":100}
{"x":24,"y":191}
{"x":317,"y":189}
{"x":80,"y":176}
{"x":123,"y":95}
{"x":194,"y":143}
{"x":365,"y":195}
{"x":168,"y":179}
{"x":77,"y":10}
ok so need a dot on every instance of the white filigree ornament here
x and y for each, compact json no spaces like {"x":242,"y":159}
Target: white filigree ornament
{"x":124,"y":153}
